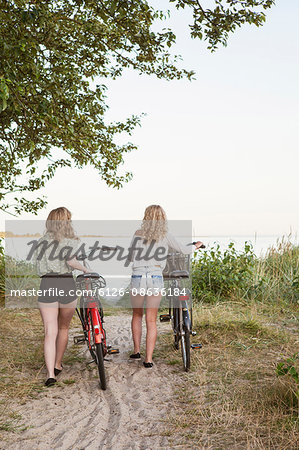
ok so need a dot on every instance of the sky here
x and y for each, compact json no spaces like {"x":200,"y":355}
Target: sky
{"x":221,"y":151}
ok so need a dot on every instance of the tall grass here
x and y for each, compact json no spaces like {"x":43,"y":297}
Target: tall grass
{"x":279,"y":273}
{"x":218,"y":276}
{"x":19,"y":275}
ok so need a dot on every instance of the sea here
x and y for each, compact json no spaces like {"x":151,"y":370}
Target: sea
{"x":260,"y":243}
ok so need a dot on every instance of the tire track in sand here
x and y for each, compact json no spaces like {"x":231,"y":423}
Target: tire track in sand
{"x":128,"y":415}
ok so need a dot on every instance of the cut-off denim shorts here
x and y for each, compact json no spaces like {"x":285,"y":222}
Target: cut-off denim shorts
{"x":147,"y":280}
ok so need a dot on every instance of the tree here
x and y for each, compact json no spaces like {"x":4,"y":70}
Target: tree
{"x":51,"y":115}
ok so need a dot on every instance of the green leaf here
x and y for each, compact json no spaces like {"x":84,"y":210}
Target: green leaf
{"x":51,"y":51}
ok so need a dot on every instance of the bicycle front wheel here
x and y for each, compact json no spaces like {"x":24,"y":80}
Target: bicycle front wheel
{"x":185,"y":345}
{"x":100,"y":364}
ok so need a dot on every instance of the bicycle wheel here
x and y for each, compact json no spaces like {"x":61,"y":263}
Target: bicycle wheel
{"x":185,"y":345}
{"x":100,"y":364}
{"x":97,"y":352}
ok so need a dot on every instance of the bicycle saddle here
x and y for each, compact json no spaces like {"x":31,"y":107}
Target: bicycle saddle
{"x":179,"y":274}
{"x":88,"y":275}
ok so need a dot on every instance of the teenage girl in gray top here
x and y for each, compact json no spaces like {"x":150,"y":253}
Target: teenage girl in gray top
{"x":56,"y":276}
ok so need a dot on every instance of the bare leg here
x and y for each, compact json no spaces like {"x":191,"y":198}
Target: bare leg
{"x":64,"y":319}
{"x":49,"y":315}
{"x":152,"y":306}
{"x":137,"y":305}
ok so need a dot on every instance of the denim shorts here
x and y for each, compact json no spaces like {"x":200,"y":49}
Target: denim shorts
{"x":147,"y":280}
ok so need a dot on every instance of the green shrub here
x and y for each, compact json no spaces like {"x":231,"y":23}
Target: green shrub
{"x":290,"y":368}
{"x":220,"y":275}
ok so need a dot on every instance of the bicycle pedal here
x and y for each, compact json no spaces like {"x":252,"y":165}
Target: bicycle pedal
{"x":79,"y":339}
{"x":112,"y":351}
{"x":164,"y":317}
{"x":196,"y":346}
{"x":193,"y":333}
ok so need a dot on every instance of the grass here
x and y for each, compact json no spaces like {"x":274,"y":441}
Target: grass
{"x":11,"y":423}
{"x":21,"y":359}
{"x":232,"y":397}
{"x":232,"y":275}
{"x":21,"y":362}
{"x":22,"y":370}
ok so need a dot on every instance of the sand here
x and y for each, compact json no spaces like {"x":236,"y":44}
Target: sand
{"x":130,"y":414}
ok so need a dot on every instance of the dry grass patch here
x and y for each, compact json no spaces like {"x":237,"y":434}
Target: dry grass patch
{"x":232,"y":397}
{"x":21,"y":361}
{"x":22,"y":370}
{"x":21,"y":357}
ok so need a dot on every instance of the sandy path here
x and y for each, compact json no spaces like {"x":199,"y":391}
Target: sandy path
{"x":129,"y":415}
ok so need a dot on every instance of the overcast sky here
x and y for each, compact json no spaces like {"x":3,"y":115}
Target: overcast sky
{"x":221,"y":150}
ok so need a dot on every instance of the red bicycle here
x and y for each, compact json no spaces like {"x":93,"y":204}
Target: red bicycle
{"x":91,"y":316}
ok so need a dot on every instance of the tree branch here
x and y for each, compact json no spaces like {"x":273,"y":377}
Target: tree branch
{"x":203,"y":11}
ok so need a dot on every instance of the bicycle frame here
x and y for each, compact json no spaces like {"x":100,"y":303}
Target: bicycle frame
{"x":91,"y":310}
{"x":178,"y":268}
{"x":90,"y":306}
{"x":91,"y":317}
{"x":181,"y":304}
{"x":96,"y":325}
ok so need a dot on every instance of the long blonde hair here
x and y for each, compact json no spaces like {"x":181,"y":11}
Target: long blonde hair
{"x":154,"y":224}
{"x":59,"y":224}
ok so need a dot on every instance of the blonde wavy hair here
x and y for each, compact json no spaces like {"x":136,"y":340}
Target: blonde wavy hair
{"x":59,"y":224}
{"x":154,"y":224}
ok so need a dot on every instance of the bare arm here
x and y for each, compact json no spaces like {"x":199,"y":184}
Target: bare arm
{"x":179,"y":247}
{"x":75,"y":264}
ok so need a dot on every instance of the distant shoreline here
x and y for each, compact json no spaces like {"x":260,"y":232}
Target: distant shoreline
{"x":4,"y":234}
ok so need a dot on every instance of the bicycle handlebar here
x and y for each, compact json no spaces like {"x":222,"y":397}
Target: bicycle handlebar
{"x":202,"y":245}
{"x":107,"y":248}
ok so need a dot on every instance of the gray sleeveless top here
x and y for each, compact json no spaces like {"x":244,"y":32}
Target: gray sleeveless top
{"x":51,"y":256}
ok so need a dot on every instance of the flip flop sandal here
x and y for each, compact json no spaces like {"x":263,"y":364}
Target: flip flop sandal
{"x":148,"y":364}
{"x":135,"y":356}
{"x":57,"y":371}
{"x":50,"y":382}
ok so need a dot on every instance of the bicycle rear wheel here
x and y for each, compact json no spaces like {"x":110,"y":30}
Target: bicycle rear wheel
{"x":100,"y":364}
{"x":175,"y":326}
{"x":98,"y":353}
{"x":185,"y":346}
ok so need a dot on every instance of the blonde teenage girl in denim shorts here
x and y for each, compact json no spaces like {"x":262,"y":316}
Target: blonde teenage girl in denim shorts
{"x":147,"y":246}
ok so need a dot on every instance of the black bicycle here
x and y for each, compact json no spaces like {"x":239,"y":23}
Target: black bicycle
{"x":180,"y":308}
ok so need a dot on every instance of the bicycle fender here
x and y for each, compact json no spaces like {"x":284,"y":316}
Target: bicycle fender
{"x":96,"y":326}
{"x":186,"y":319}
